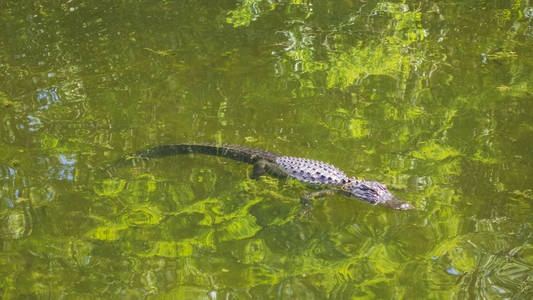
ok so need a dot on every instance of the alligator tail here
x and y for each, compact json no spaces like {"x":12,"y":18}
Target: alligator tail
{"x":235,"y":152}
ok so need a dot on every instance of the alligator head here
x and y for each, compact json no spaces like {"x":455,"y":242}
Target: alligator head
{"x":375,"y":193}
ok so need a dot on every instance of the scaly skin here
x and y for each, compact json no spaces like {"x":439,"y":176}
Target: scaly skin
{"x":302,"y":169}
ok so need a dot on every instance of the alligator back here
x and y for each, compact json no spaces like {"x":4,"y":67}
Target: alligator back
{"x":311,"y":171}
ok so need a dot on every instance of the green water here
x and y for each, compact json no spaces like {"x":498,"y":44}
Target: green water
{"x":432,"y":98}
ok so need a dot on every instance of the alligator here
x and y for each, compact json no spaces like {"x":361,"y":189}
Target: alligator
{"x":302,"y":169}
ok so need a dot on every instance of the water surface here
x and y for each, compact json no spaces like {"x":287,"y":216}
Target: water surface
{"x":432,"y":98}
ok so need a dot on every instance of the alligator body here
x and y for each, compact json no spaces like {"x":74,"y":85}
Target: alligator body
{"x":302,"y":169}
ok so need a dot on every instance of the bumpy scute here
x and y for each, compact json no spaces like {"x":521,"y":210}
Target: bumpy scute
{"x":311,"y":171}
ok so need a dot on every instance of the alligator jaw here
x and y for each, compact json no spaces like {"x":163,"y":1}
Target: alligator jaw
{"x":375,"y":193}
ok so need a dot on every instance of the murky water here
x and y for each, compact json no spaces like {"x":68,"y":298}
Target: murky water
{"x":433,"y":99}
